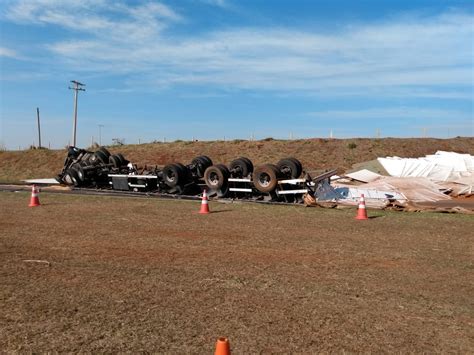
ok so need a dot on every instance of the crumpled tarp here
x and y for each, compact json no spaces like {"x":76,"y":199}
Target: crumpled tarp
{"x":414,"y":189}
{"x":441,"y":166}
{"x":388,"y":188}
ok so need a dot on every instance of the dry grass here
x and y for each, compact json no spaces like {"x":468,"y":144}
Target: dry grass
{"x":314,"y":153}
{"x":130,"y":275}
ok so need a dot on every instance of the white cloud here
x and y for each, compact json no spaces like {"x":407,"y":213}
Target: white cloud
{"x":102,"y":19}
{"x":7,"y":52}
{"x":414,"y":56}
{"x":219,"y":3}
{"x":150,"y":11}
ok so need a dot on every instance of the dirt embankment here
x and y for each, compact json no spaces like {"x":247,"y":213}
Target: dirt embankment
{"x":314,"y":153}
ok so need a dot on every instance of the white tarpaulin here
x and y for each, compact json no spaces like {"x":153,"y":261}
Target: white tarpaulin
{"x":386,"y":188}
{"x":364,"y":175}
{"x":413,"y":188}
{"x":441,"y":167}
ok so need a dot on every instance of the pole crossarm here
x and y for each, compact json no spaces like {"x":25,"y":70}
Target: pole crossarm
{"x":76,"y":83}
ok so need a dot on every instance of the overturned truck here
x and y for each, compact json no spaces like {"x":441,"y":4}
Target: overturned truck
{"x":284,"y":181}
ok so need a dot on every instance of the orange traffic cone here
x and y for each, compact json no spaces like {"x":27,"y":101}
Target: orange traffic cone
{"x":222,"y":346}
{"x":34,"y":197}
{"x":204,"y":204}
{"x":362,"y":211}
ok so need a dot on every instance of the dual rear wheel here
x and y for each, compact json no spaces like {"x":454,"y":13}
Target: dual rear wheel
{"x":216,"y":176}
{"x":290,"y":168}
{"x":176,"y":175}
{"x":200,"y":164}
{"x":241,"y":167}
{"x":265,"y":177}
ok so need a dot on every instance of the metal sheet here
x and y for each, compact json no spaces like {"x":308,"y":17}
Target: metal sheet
{"x":49,"y":181}
{"x":291,"y":181}
{"x":292,"y":192}
{"x":134,"y":176}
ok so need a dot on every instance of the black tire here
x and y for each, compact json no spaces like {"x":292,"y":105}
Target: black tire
{"x":241,"y":168}
{"x":265,"y":177}
{"x":290,"y":168}
{"x":173,"y":175}
{"x":104,"y":150}
{"x":216,"y":176}
{"x":187,"y":176}
{"x":249,"y":162}
{"x":115,"y":161}
{"x":201,"y":163}
{"x":86,"y":158}
{"x":122,"y":159}
{"x":100,"y":157}
{"x":74,"y":176}
{"x":79,"y":172}
{"x":67,"y":178}
{"x":297,"y":162}
{"x":207,"y":159}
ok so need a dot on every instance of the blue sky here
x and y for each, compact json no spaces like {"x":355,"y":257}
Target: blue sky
{"x":209,"y":69}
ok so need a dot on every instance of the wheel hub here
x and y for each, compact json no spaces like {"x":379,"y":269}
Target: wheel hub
{"x":264,"y":179}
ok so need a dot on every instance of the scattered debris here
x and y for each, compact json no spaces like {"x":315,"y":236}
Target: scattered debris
{"x":446,"y":167}
{"x":400,"y":183}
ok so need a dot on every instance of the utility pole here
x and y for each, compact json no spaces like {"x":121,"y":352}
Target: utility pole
{"x":77,"y":87}
{"x":100,"y":133}
{"x":39,"y":127}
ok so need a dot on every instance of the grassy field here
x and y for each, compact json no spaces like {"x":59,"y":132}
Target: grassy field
{"x":314,"y":153}
{"x":128,"y":274}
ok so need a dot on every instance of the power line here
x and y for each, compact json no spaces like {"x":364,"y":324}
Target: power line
{"x":77,"y":87}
